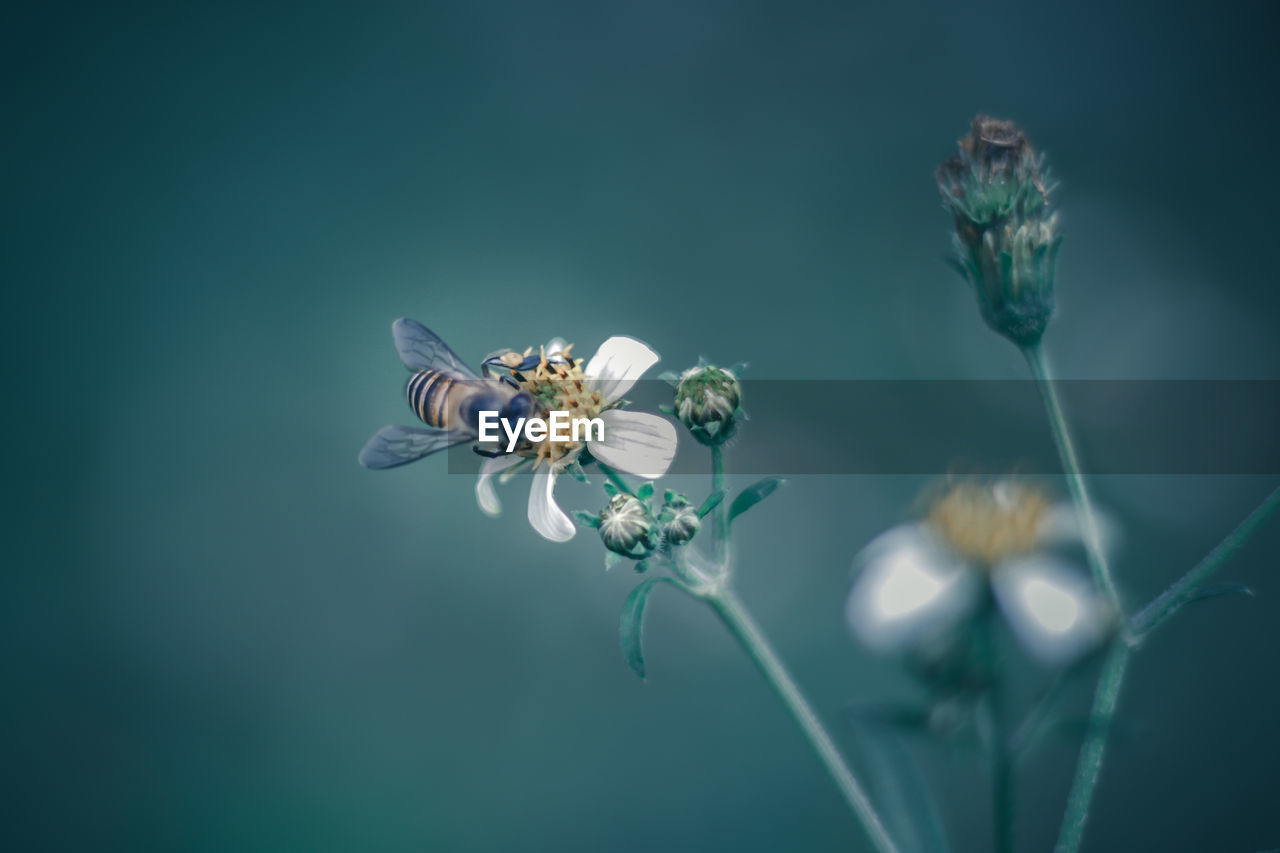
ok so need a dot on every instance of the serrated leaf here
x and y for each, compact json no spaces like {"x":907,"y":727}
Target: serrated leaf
{"x":631,"y":629}
{"x":752,"y":495}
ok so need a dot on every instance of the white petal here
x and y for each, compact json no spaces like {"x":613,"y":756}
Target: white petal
{"x":1054,"y":610}
{"x":636,"y":442}
{"x":544,"y":515}
{"x":485,"y":494}
{"x":617,"y":365}
{"x":1062,"y":525}
{"x":910,"y":589}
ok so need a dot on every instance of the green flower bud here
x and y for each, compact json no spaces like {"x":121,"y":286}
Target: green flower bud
{"x":679,"y":522}
{"x":627,"y":527}
{"x":1006,"y":236}
{"x":707,"y":400}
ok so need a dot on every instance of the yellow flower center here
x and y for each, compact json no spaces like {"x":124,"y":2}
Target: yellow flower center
{"x":989,"y":523}
{"x":558,"y":386}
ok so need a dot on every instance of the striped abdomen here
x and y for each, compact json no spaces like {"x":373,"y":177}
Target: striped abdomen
{"x":429,"y":392}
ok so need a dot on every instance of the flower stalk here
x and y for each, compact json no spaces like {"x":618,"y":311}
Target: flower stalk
{"x":1076,"y":485}
{"x":1107,"y":695}
{"x":1089,"y":764}
{"x":753,"y":642}
{"x":716,"y":592}
{"x":1183,"y":591}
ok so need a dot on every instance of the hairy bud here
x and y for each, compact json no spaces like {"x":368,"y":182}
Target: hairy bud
{"x":1006,"y":236}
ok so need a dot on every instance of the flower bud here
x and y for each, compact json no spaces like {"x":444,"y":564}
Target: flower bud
{"x":628,"y":528}
{"x":707,"y":400}
{"x":678,"y":520}
{"x":1006,"y":236}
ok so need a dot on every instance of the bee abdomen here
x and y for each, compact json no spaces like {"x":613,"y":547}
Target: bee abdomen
{"x":428,"y":393}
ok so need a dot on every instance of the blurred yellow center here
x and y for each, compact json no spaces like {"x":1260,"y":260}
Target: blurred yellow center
{"x":989,"y":523}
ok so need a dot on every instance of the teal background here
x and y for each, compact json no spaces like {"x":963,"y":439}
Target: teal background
{"x":221,"y":634}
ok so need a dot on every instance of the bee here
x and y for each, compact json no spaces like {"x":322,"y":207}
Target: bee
{"x":446,"y":395}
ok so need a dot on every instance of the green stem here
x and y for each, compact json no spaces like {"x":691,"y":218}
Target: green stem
{"x":1184,"y":589}
{"x":617,"y":479}
{"x":1029,"y":730}
{"x":1089,"y":765}
{"x":748,"y":634}
{"x":1002,"y":789}
{"x":1075,"y":477}
{"x":994,"y":730}
{"x":719,"y":515}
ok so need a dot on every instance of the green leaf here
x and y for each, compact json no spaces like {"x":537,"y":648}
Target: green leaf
{"x":752,"y":495}
{"x":632,"y":625}
{"x":713,"y":500}
{"x":587,"y":519}
{"x":645,"y":491}
{"x":1221,"y":589}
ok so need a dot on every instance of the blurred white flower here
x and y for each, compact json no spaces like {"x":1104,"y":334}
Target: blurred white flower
{"x":636,"y":443}
{"x":919,"y":581}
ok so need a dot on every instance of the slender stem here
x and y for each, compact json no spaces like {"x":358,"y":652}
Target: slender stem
{"x":1089,"y":765}
{"x":719,"y":515}
{"x":748,"y":633}
{"x":1071,"y":468}
{"x":617,"y":479}
{"x":1173,"y":599}
{"x":1028,"y":731}
{"x":1002,"y":790}
{"x":995,"y":732}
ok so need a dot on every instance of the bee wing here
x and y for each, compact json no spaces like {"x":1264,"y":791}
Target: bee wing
{"x":399,"y":445}
{"x":420,"y":349}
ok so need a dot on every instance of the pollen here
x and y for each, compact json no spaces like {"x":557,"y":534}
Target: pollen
{"x":988,"y":523}
{"x":558,"y":385}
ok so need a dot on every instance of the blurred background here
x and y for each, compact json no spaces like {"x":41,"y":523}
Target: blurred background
{"x":220,"y":633}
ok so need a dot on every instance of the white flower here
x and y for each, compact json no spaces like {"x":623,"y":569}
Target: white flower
{"x":919,"y":581}
{"x":636,"y":443}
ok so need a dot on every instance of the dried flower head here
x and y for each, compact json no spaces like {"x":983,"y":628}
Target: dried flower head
{"x":1006,"y":239}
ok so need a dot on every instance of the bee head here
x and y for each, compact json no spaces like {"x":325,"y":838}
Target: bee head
{"x":519,"y":406}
